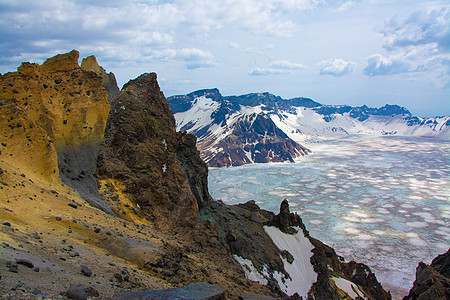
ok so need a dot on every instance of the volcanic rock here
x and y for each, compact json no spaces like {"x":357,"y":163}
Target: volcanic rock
{"x":140,"y":151}
{"x":62,"y":111}
{"x":76,"y":292}
{"x":109,"y":79}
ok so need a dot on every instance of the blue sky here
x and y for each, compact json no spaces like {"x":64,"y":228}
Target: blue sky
{"x":336,"y":52}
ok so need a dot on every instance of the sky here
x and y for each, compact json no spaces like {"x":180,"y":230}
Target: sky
{"x":358,"y":52}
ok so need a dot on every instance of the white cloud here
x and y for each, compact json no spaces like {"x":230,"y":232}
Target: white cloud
{"x":418,"y":44}
{"x":336,"y":67}
{"x":277,"y":67}
{"x":193,"y":58}
{"x":378,"y":64}
{"x":249,"y":15}
{"x":420,"y":28}
{"x":286,"y":65}
{"x":265,"y":71}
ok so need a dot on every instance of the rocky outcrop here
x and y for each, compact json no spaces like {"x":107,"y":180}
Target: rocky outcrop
{"x":140,"y":152}
{"x":432,"y":281}
{"x":241,"y":228}
{"x":109,"y":79}
{"x":195,"y":168}
{"x":71,"y":106}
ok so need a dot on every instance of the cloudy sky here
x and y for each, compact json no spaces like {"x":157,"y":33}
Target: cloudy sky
{"x":336,"y":52}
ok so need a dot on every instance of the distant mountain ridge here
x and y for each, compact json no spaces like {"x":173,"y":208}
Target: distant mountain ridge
{"x":262,"y":127}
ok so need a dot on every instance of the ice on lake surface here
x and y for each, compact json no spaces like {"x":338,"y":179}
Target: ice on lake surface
{"x":382,"y":201}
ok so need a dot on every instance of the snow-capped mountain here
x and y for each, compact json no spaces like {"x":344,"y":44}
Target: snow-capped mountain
{"x":262,"y":127}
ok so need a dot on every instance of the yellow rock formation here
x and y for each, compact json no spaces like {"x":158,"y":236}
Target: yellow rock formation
{"x":69,"y":104}
{"x":55,"y":105}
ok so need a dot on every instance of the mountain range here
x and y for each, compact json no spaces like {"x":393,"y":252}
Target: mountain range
{"x":262,"y":127}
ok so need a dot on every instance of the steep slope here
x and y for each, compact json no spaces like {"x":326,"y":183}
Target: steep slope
{"x":108,"y":79}
{"x":236,"y":130}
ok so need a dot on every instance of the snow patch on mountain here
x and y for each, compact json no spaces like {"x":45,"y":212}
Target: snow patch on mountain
{"x":198,"y":116}
{"x":301,"y":272}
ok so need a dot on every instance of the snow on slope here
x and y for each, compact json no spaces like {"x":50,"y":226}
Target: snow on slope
{"x":250,"y":271}
{"x":198,"y":116}
{"x":306,"y":125}
{"x":349,"y":288}
{"x":301,"y":271}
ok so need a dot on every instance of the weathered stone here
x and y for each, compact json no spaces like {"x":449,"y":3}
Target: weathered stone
{"x":12,"y":267}
{"x":64,"y":125}
{"x":76,"y":292}
{"x":73,"y":205}
{"x":25,"y":262}
{"x":91,"y":292}
{"x":86,"y":271}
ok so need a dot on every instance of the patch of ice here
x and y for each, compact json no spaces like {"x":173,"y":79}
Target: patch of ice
{"x":364,"y":237}
{"x":351,"y":230}
{"x":314,"y":211}
{"x":407,"y":205}
{"x":417,"y":224}
{"x":378,"y":232}
{"x":316,"y":222}
{"x":428,"y":217}
{"x":417,"y":242}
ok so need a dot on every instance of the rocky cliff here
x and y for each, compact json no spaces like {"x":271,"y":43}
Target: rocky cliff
{"x":100,"y":194}
{"x":139,"y":153}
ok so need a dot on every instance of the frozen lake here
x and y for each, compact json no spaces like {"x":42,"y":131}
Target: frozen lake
{"x":382,"y":201}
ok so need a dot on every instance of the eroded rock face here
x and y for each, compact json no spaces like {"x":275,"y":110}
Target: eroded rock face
{"x":195,"y":168}
{"x":25,"y":145}
{"x":70,"y":105}
{"x":432,"y":282}
{"x":140,"y":150}
{"x":109,"y":79}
